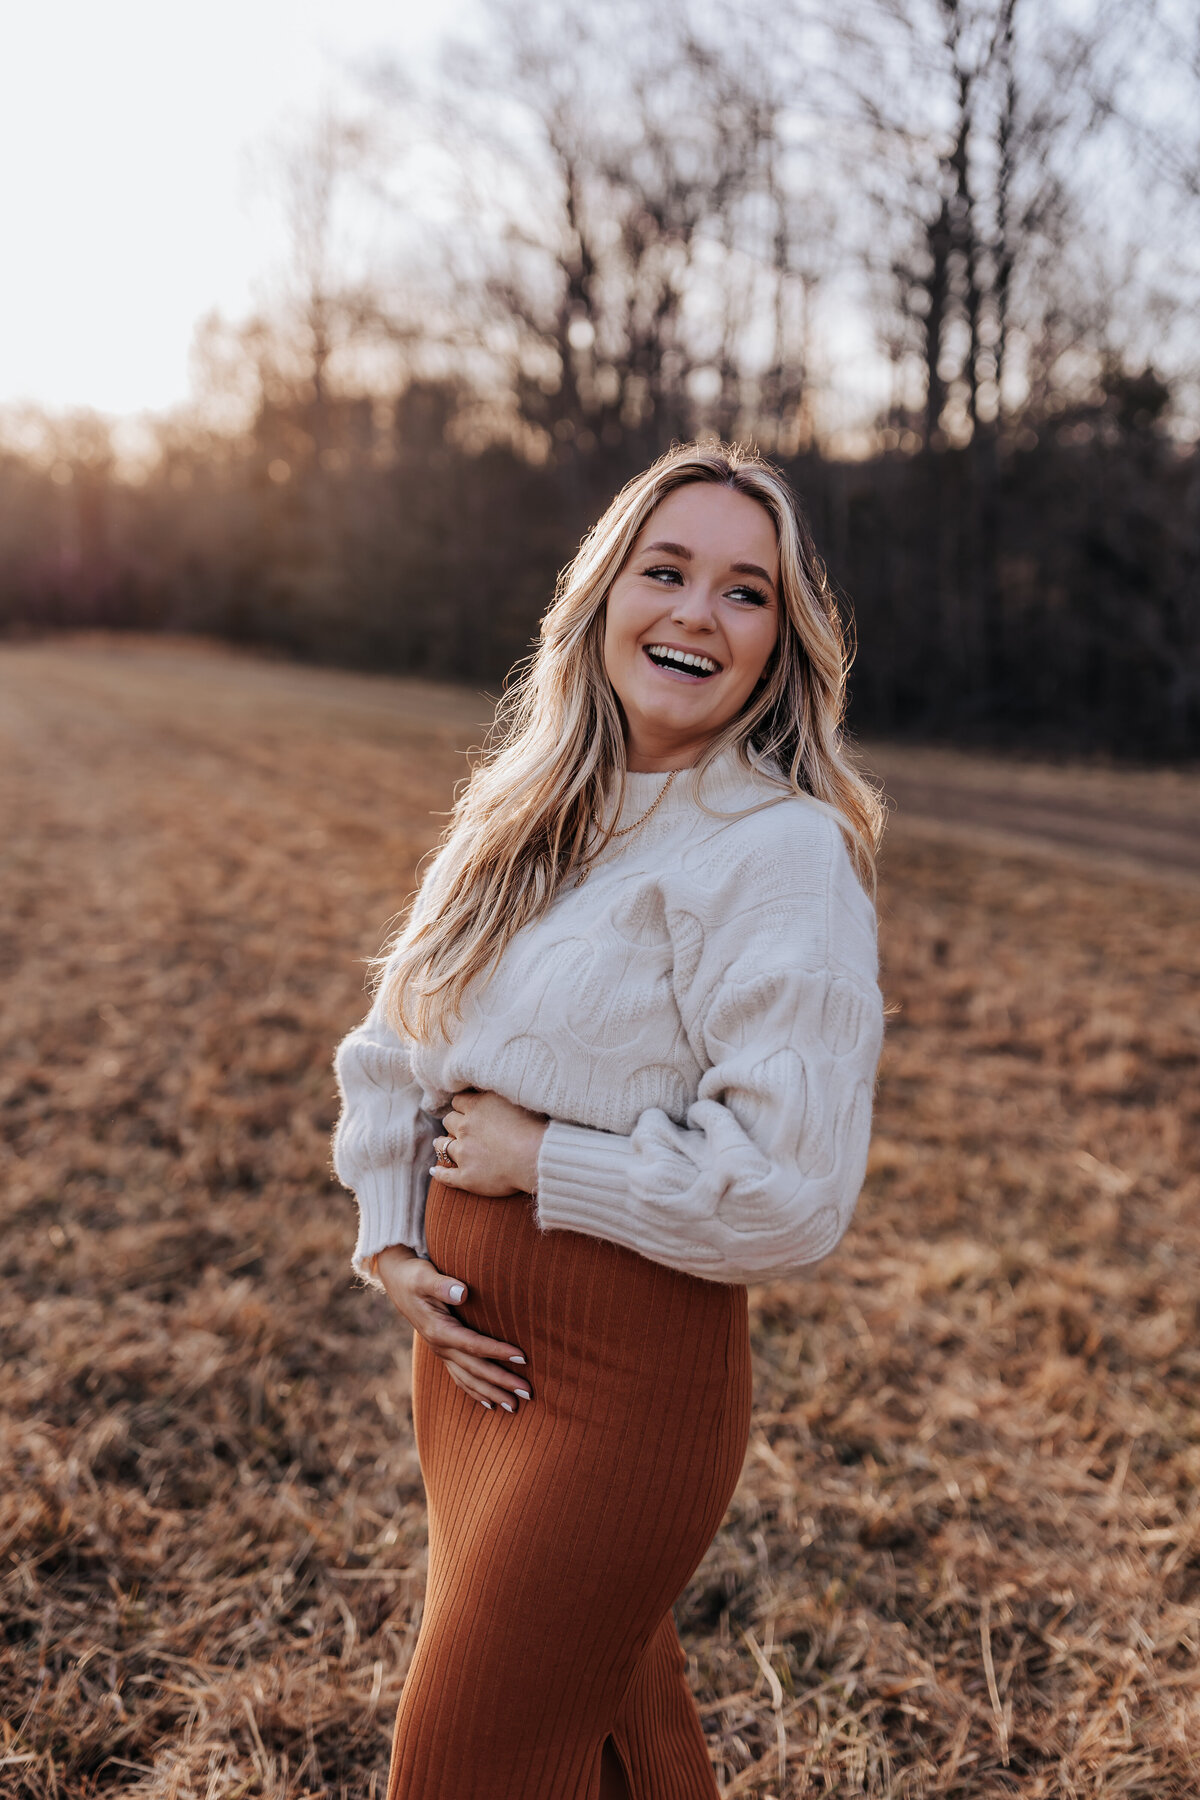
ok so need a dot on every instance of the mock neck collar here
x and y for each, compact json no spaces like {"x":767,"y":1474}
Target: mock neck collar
{"x":727,"y":785}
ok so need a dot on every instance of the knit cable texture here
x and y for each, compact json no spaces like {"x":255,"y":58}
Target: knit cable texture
{"x":701,"y":1022}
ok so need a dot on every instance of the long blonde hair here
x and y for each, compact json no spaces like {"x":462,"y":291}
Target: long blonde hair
{"x":531,"y":816}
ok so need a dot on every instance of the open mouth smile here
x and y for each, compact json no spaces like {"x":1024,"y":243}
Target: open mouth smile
{"x":688,"y":663}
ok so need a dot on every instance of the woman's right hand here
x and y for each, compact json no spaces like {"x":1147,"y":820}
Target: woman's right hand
{"x":491,"y":1372}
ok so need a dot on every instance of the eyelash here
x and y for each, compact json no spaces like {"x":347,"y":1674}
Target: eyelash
{"x":743,"y":587}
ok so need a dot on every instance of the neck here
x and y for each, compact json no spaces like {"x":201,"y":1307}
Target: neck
{"x":643,"y":757}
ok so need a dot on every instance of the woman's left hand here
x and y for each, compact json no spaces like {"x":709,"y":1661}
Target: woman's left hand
{"x":492,"y":1145}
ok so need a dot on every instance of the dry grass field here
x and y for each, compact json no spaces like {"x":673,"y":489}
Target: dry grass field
{"x":964,"y":1558}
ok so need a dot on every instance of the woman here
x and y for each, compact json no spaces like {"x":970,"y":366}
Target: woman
{"x":638,"y":990}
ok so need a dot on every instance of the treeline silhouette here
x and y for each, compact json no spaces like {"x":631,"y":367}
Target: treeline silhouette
{"x":1043,"y":591}
{"x":640,"y":240}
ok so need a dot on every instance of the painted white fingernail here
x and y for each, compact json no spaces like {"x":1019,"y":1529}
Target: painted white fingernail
{"x":524,"y":1393}
{"x":486,"y":1403}
{"x":519,"y":1359}
{"x":506,"y":1406}
{"x":456,"y":1293}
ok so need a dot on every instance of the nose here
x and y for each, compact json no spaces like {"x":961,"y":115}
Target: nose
{"x":694,"y":606}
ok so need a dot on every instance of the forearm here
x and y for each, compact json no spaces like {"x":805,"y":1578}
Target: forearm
{"x":723,"y":1199}
{"x":382,"y":1146}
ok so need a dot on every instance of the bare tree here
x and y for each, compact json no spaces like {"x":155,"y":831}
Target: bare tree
{"x":627,"y":243}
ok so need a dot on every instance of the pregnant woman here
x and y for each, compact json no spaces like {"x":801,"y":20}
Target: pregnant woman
{"x":633,"y":1015}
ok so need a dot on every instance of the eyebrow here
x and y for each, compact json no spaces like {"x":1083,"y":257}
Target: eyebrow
{"x":739,"y":568}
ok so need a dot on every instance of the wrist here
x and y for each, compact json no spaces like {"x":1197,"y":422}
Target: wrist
{"x":404,"y":1251}
{"x":533,"y":1154}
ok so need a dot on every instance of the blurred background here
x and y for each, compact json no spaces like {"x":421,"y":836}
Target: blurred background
{"x":332,"y":328}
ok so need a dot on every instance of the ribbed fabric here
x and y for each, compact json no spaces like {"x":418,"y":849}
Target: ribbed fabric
{"x":561,"y":1536}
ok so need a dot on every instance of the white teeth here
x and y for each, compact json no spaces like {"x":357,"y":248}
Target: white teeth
{"x":684,"y":658}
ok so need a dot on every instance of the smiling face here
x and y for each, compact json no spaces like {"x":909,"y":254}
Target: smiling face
{"x":691,"y":622}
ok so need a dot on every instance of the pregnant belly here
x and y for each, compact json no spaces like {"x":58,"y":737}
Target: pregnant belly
{"x":593,"y":1319}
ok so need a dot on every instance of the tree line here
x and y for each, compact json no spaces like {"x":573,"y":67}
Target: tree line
{"x":932,"y":258}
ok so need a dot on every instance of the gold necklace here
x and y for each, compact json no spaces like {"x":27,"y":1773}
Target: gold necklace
{"x":628,"y":830}
{"x":632,"y":830}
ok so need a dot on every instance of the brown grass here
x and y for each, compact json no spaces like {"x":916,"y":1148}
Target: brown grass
{"x":964,"y":1558}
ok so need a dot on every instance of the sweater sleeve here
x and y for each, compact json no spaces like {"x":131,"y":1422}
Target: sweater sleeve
{"x":781,"y":1001}
{"x":383,"y":1144}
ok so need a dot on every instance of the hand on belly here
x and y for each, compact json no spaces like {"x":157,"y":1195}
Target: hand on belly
{"x":482,"y":1366}
{"x":491,"y":1146}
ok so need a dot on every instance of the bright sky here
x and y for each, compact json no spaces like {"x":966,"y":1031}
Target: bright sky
{"x":128,"y":207}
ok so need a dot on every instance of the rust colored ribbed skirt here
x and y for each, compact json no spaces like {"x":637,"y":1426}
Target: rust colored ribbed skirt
{"x":561,"y":1536}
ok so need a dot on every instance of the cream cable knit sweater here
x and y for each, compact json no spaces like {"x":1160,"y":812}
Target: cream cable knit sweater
{"x":700,"y":1021}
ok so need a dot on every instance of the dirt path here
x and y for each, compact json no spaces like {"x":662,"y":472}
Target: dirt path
{"x":1132,"y":821}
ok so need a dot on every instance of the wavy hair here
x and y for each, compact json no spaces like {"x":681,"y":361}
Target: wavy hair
{"x":532,"y":816}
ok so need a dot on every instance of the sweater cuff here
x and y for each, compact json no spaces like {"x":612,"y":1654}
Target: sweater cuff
{"x":584,"y":1179}
{"x":390,"y":1211}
